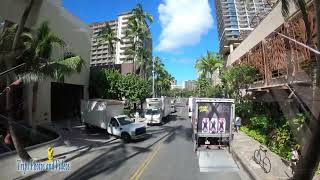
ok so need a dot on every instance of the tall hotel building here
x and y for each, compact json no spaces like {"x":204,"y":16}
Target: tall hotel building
{"x":237,"y":18}
{"x":99,"y":52}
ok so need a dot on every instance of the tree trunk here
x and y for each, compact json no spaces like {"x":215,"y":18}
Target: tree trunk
{"x":16,"y":142}
{"x":23,"y":21}
{"x":9,"y":63}
{"x":134,"y":57}
{"x":34,"y":99}
{"x":311,"y":156}
{"x":23,"y":154}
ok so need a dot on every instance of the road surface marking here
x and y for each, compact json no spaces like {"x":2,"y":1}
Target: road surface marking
{"x":145,"y":166}
{"x":147,"y":161}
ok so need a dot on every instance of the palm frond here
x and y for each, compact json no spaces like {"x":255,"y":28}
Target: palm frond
{"x":32,"y":77}
{"x":43,"y":30}
{"x":55,"y":40}
{"x":285,"y":4}
{"x":60,"y":68}
{"x":149,"y":17}
{"x":300,"y":4}
{"x":72,"y":64}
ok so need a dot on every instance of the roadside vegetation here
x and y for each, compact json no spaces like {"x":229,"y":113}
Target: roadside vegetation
{"x":263,"y":121}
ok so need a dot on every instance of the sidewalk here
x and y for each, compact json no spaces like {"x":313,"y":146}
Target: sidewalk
{"x":243,"y":148}
{"x":75,"y":147}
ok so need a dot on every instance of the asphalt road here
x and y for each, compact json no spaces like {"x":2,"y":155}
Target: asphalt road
{"x":166,"y":154}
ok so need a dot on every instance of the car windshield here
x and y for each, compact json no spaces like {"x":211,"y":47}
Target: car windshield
{"x":124,"y":120}
{"x":152,"y":111}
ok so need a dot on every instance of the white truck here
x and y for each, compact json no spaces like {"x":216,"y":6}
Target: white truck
{"x":212,"y":134}
{"x":157,"y":109}
{"x":191,"y":106}
{"x":108,"y":114}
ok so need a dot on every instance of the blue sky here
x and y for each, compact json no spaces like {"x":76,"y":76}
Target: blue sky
{"x":182,"y":30}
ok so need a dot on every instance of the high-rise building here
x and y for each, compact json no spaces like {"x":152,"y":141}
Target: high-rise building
{"x":99,"y":52}
{"x":189,"y":84}
{"x":236,"y":19}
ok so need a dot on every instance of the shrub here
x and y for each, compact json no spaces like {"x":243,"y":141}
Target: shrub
{"x":260,"y":123}
{"x":255,"y":135}
{"x":318,"y":172}
{"x":282,"y":142}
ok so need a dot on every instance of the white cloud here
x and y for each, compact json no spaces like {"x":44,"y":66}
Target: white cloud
{"x":183,"y":23}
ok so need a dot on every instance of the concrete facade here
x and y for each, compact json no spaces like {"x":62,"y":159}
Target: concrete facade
{"x":264,"y":29}
{"x":74,"y":32}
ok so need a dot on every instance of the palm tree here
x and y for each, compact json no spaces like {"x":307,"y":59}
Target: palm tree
{"x":145,"y":62}
{"x":9,"y":62}
{"x":108,"y":36}
{"x":209,"y":63}
{"x":162,"y":78}
{"x":39,"y":65}
{"x":136,"y":31}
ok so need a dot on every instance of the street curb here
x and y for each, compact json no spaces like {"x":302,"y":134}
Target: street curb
{"x":249,"y":171}
{"x":53,"y":142}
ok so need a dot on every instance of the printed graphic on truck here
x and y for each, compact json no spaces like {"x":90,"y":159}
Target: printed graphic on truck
{"x":214,"y":117}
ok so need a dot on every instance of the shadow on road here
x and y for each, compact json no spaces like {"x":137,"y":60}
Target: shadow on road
{"x":110,"y":161}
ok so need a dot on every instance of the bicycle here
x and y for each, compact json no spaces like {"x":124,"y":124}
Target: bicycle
{"x":265,"y":163}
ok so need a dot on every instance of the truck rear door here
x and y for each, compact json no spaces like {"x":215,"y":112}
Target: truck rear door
{"x":216,"y":161}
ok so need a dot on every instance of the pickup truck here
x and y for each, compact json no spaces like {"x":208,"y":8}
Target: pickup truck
{"x":108,"y":114}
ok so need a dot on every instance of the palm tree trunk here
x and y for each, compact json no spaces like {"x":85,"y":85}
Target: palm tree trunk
{"x":23,"y":21}
{"x":310,"y":157}
{"x":34,"y":99}
{"x":16,"y":142}
{"x":9,"y":63}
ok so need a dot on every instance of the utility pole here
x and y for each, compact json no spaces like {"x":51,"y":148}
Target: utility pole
{"x":153,"y":95}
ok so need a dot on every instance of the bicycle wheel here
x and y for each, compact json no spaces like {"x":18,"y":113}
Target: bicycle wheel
{"x":266,"y":165}
{"x":257,"y":156}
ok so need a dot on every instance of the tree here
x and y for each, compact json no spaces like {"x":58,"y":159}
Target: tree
{"x":209,"y":63}
{"x":162,"y":78}
{"x":9,"y":62}
{"x":40,"y":66}
{"x":105,"y":84}
{"x":236,"y":78}
{"x":110,"y":84}
{"x":202,"y":86}
{"x":136,"y":32}
{"x":134,"y":88}
{"x":145,"y":63}
{"x":108,"y":36}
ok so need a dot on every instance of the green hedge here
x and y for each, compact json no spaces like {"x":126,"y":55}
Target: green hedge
{"x":276,"y":136}
{"x":255,"y":135}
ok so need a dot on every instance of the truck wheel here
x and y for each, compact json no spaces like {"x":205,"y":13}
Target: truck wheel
{"x":126,"y":137}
